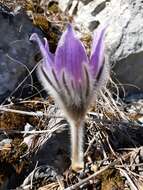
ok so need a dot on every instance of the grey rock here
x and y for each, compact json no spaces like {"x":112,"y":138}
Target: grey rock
{"x":55,"y":152}
{"x":124,"y":136}
{"x":54,"y":146}
{"x":41,"y":173}
{"x":124,"y":38}
{"x":16,"y":51}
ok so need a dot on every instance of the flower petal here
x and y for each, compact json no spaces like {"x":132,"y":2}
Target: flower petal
{"x":44,"y":48}
{"x":51,"y":55}
{"x":97,"y":50}
{"x":70,"y":55}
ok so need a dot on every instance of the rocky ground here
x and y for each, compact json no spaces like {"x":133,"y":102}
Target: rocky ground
{"x":35,"y":137}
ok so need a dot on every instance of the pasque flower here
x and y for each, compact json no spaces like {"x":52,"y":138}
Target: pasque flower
{"x":73,"y":79}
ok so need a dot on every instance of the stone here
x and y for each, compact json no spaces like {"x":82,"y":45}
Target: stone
{"x":55,"y":151}
{"x":17,"y":53}
{"x":124,"y":38}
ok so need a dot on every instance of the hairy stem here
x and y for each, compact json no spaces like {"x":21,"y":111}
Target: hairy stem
{"x":77,"y":145}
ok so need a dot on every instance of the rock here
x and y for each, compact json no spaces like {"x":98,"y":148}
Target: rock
{"x":16,"y":51}
{"x":55,"y":152}
{"x":124,"y":39}
{"x":43,"y":173}
{"x":124,"y":136}
{"x":54,"y":146}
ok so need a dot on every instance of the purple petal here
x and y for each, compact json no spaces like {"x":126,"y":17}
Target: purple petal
{"x":44,"y":48}
{"x":70,"y":55}
{"x":51,"y":55}
{"x":97,"y":50}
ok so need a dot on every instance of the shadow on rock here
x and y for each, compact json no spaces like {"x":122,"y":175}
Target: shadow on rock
{"x":17,"y":53}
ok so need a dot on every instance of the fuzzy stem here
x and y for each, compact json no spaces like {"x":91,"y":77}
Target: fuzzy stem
{"x":77,"y":145}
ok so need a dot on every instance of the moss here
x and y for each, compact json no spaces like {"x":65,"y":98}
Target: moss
{"x":53,"y":8}
{"x":13,"y":156}
{"x":111,"y":179}
{"x":41,"y":22}
{"x":11,"y":120}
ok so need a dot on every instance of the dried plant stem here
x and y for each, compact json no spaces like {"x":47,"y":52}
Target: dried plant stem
{"x":89,"y":178}
{"x":77,"y":145}
{"x":112,"y":164}
{"x":90,"y":145}
{"x":29,"y":113}
{"x":42,"y":114}
{"x":131,"y":183}
{"x":38,"y":113}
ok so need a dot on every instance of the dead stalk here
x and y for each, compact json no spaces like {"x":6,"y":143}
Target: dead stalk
{"x":112,"y":164}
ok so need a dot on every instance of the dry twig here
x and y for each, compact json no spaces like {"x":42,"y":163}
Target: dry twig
{"x":112,"y":164}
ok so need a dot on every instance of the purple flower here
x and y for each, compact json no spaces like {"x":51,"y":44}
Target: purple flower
{"x":73,"y":79}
